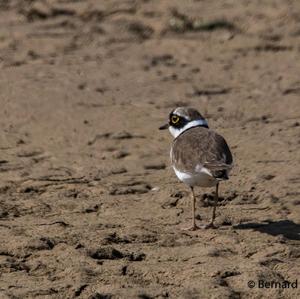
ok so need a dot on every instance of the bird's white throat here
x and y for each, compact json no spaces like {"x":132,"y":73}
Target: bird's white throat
{"x":195,"y":123}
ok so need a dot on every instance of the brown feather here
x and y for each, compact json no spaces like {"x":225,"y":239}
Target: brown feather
{"x":201,"y":146}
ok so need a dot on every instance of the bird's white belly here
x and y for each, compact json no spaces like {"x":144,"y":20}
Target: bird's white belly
{"x":202,"y":178}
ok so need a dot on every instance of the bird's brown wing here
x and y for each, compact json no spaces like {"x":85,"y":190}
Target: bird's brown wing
{"x":201,"y":147}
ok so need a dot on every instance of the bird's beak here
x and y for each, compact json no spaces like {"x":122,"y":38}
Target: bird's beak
{"x":164,"y":127}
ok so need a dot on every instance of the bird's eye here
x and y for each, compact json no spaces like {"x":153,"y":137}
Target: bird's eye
{"x":174,"y":119}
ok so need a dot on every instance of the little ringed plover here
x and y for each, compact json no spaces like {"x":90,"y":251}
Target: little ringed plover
{"x":199,"y":156}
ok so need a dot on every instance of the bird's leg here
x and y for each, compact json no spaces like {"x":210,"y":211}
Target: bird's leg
{"x":193,"y":208}
{"x":211,"y":224}
{"x":193,"y":226}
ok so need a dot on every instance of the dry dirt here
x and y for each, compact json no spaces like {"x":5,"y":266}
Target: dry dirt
{"x":89,"y":206}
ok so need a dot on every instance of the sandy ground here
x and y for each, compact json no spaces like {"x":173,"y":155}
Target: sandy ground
{"x":89,"y":206}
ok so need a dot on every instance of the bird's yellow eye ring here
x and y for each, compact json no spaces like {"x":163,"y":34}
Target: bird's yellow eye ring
{"x":174,"y":119}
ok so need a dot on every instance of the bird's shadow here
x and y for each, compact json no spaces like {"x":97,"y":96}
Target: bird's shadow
{"x":289,"y":229}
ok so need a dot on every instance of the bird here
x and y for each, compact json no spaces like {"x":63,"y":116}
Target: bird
{"x":199,"y":156}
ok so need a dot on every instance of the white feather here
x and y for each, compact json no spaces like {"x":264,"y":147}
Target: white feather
{"x":201,"y":178}
{"x":176,"y":132}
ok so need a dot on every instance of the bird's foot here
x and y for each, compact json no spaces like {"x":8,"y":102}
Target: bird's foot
{"x":193,"y":227}
{"x":210,"y":225}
